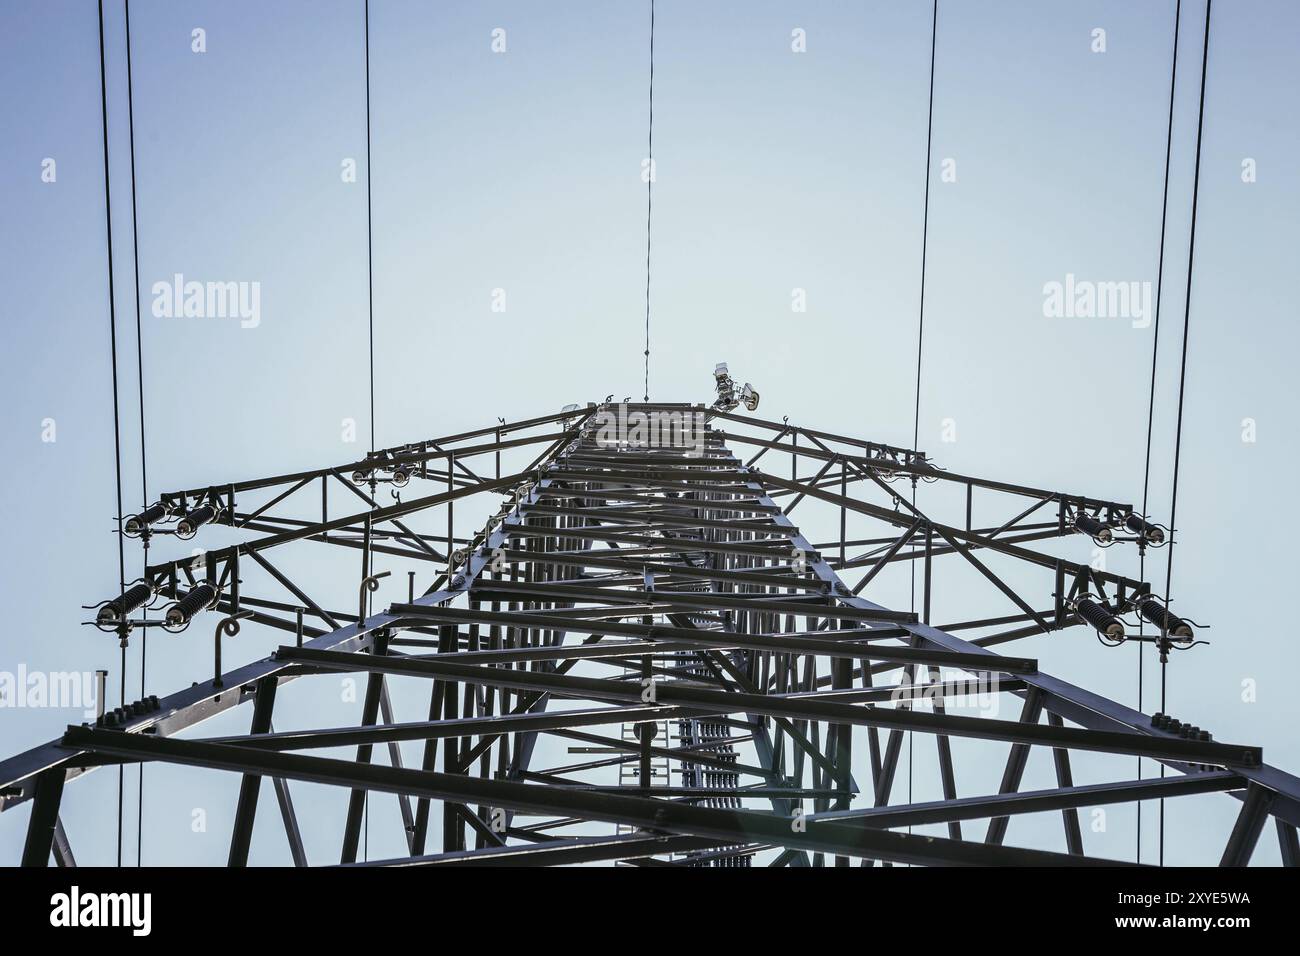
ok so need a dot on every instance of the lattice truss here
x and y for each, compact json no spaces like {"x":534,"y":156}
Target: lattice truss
{"x":640,"y":657}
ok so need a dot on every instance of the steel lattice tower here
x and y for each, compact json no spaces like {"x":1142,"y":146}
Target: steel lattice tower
{"x":651,"y":604}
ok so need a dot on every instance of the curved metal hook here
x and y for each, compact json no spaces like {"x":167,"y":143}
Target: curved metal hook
{"x":370,"y":584}
{"x":230,"y":627}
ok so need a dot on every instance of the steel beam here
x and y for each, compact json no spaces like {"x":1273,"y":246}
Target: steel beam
{"x":732,"y":826}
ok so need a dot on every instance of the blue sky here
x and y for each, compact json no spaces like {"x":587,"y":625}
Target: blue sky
{"x":775,"y":171}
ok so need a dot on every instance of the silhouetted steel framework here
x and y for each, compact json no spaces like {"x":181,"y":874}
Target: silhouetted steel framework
{"x":653,"y":587}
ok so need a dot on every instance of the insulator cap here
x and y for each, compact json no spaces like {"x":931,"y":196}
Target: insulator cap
{"x":117,"y":610}
{"x":203,"y":596}
{"x":1094,"y":528}
{"x":196,"y":518}
{"x":1168,"y":622}
{"x":1100,"y":617}
{"x":136,"y":524}
{"x":1139,"y":525}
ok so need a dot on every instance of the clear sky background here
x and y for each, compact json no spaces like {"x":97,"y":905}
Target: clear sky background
{"x":776,"y":171}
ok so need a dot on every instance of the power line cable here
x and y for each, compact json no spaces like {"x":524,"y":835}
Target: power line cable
{"x":1182,"y":380}
{"x":1155,"y":345}
{"x":920,"y":326}
{"x":117,"y":436}
{"x":370,"y":286}
{"x":370,"y":240}
{"x":649,"y":196}
{"x":139,"y":362}
{"x":925,"y":227}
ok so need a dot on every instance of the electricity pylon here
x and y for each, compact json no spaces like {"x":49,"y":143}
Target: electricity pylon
{"x":641,"y":594}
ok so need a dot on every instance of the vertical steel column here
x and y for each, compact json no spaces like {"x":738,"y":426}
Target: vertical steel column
{"x":1015,"y":769}
{"x":947,"y":775}
{"x":62,"y":848}
{"x":646,"y":730}
{"x":369,"y":713}
{"x":1287,"y":842}
{"x":290,"y":818}
{"x":842,"y":679}
{"x":894,"y":744}
{"x":451,"y":514}
{"x":395,"y":759}
{"x":241,"y":836}
{"x":453,"y":829}
{"x":1065,"y":780}
{"x":844,"y":512}
{"x":446,"y":644}
{"x":45,"y":817}
{"x":1245,"y":832}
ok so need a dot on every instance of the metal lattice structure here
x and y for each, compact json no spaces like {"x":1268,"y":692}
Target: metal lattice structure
{"x":651,"y":604}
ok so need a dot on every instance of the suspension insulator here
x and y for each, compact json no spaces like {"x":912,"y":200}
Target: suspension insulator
{"x":1139,"y":525}
{"x":188,"y":526}
{"x":1168,"y":622}
{"x":116,"y":610}
{"x":203,"y":596}
{"x":1101,"y":617}
{"x":1094,"y":528}
{"x":135,"y":525}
